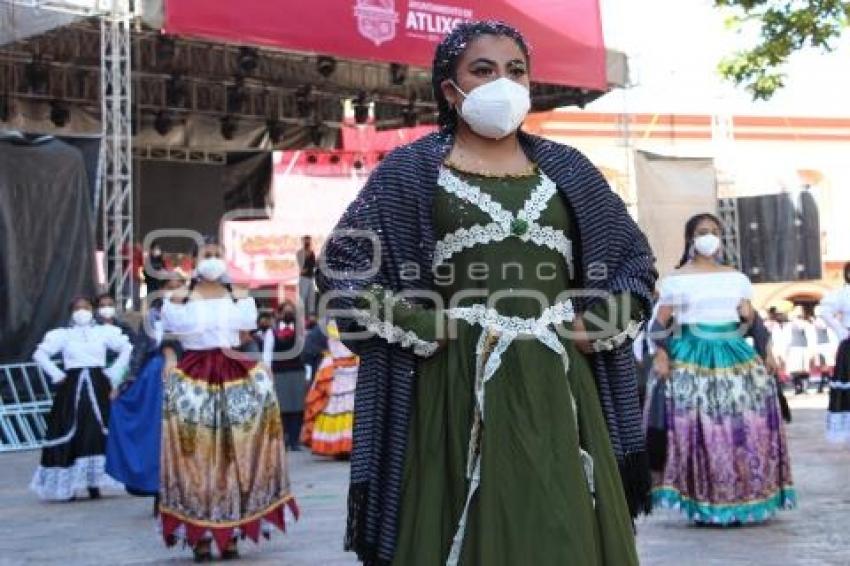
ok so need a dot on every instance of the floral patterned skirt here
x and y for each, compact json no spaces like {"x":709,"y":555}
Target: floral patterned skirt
{"x":727,"y":455}
{"x":223,"y":468}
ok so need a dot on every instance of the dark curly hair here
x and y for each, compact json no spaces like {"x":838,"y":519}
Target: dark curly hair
{"x":450,"y":50}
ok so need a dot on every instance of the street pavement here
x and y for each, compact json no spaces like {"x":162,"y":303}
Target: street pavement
{"x":118,"y":529}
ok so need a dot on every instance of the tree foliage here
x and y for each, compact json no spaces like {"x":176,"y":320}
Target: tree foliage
{"x":786,"y":26}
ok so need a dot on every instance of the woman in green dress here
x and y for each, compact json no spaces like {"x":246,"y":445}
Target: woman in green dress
{"x":507,"y":457}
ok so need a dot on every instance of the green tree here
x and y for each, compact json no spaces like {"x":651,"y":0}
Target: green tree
{"x":785,"y":26}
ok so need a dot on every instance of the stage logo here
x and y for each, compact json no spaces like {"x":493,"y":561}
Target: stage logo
{"x":376,"y":20}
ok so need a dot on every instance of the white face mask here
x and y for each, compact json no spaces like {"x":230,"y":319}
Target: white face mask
{"x":82,"y":317}
{"x":496,"y":109}
{"x":212,"y":268}
{"x":106,"y":312}
{"x":707,"y":245}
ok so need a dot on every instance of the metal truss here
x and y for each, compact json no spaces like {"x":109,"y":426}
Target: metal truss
{"x":76,"y":8}
{"x":727,"y":210}
{"x":180,"y":154}
{"x":723,"y":140}
{"x":117,"y":158}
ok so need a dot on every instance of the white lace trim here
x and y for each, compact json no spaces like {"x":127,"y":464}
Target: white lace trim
{"x":502,"y":225}
{"x":470,"y":193}
{"x":61,"y":484}
{"x":507,"y":328}
{"x":608,"y":344}
{"x":395,"y":334}
{"x":491,"y":319}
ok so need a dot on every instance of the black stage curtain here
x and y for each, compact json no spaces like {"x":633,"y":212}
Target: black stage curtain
{"x":46,"y":239}
{"x":173,"y":195}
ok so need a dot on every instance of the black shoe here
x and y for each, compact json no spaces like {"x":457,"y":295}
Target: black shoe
{"x":94,"y":493}
{"x":231,"y":553}
{"x":202,"y":553}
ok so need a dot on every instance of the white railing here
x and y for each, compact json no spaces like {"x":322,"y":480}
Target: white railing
{"x":25,"y":400}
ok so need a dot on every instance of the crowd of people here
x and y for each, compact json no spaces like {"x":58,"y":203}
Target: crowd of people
{"x":494,"y":415}
{"x":196,"y":408}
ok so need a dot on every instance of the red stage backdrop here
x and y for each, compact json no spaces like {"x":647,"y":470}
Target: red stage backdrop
{"x":565,"y":35}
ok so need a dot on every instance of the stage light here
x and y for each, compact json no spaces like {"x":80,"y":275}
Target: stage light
{"x":317,"y":133}
{"x":162,"y":122}
{"x":176,"y":92}
{"x":135,"y":123}
{"x":249,"y":59}
{"x":5,"y":108}
{"x":361,"y":108}
{"x":409,"y":116}
{"x":276,"y":130}
{"x":165,"y":49}
{"x":358,"y":164}
{"x":228,"y":127}
{"x":236,"y":95}
{"x":59,"y":114}
{"x":325,"y":65}
{"x":334,"y":159}
{"x":312,"y":159}
{"x":398,"y":74}
{"x":303,"y":101}
{"x":38,"y":76}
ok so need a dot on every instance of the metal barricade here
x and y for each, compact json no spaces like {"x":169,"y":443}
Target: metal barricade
{"x":25,"y":400}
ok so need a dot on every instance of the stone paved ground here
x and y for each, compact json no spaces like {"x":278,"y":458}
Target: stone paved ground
{"x":119,"y":530}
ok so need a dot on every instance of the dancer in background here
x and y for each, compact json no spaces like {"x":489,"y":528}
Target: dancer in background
{"x":289,"y":375}
{"x":135,"y":423}
{"x":825,"y":348}
{"x":330,"y":401}
{"x":800,"y":343}
{"x":836,"y":313}
{"x":72,"y":457}
{"x":223,"y":473}
{"x":727,"y":459}
{"x":106,"y":314}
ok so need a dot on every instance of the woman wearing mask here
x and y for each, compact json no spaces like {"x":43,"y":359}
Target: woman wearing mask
{"x":801,"y":349}
{"x":223,"y":470}
{"x":283,"y":351}
{"x":107,"y":314}
{"x":727,"y":457}
{"x":491,"y":447}
{"x":73,"y":455}
{"x":135,"y":422}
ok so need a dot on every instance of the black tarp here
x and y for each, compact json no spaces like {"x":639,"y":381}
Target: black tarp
{"x":46,"y":239}
{"x":173,"y":195}
{"x":89,"y":147}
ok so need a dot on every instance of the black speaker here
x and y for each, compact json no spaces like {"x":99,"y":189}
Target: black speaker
{"x":779,"y":237}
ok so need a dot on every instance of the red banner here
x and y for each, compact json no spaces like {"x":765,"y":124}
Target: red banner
{"x":565,"y":35}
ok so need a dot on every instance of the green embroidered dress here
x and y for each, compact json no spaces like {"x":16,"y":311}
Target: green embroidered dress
{"x":509,"y":460}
